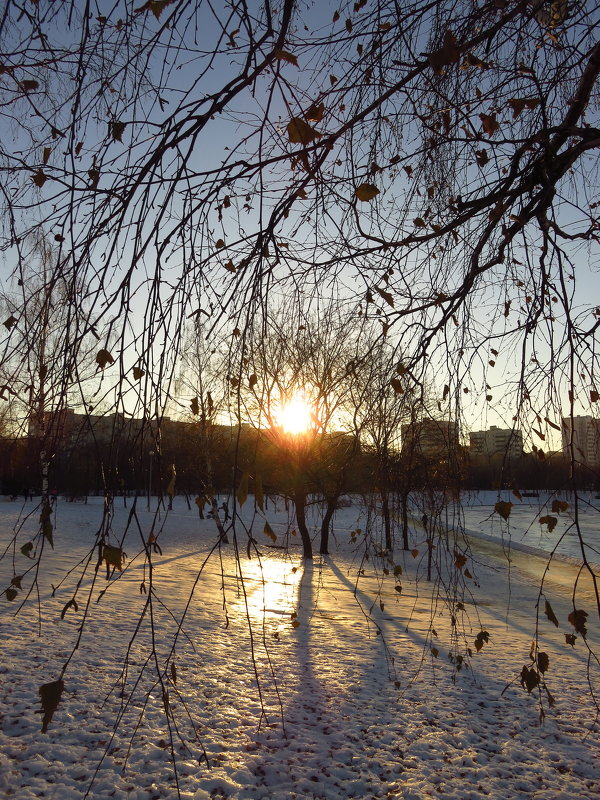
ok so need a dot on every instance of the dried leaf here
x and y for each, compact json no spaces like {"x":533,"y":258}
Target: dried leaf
{"x":26,"y":549}
{"x":252,"y":380}
{"x":315,"y":113}
{"x":482,"y":158}
{"x":503,"y":507}
{"x":10,"y":322}
{"x":519,"y":104}
{"x":558,"y":506}
{"x":448,"y":54}
{"x":116,"y":130}
{"x":366,"y":192}
{"x":50,"y":694}
{"x":397,"y":386}
{"x":259,"y":496}
{"x":283,"y":55}
{"x":529,"y":679}
{"x":242,"y":492}
{"x":459,"y":560}
{"x":489,"y":123}
{"x":28,"y":85}
{"x":39,"y":178}
{"x":268,"y":531}
{"x":543,"y":662}
{"x":482,"y":638}
{"x":387,"y":296}
{"x":550,"y":614}
{"x":300,"y":132}
{"x":578,"y":618}
{"x":549,"y":521}
{"x":104,"y":358}
{"x":138,"y":373}
{"x":156,"y":7}
{"x":71,"y":604}
{"x":113,"y":557}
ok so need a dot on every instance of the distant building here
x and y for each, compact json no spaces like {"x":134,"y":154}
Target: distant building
{"x":496,"y":442}
{"x":586,"y":439}
{"x":68,"y":428}
{"x":431,"y":437}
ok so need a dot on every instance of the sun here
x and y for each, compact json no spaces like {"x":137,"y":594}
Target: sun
{"x":295,"y":416}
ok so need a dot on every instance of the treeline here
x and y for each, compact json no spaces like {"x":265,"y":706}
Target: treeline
{"x":218,"y":459}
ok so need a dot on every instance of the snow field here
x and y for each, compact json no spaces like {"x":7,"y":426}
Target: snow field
{"x":350,"y":702}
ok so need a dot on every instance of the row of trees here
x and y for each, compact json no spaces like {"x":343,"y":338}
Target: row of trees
{"x":350,"y":373}
{"x":78,"y":469}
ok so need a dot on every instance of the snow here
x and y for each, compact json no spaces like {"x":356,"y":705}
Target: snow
{"x":524,"y":528}
{"x":294,"y":681}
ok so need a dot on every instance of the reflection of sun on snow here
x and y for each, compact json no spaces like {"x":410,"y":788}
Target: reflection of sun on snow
{"x":270,"y":587}
{"x":295,"y":415}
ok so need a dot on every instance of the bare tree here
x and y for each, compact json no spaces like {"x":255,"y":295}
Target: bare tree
{"x":299,"y":353}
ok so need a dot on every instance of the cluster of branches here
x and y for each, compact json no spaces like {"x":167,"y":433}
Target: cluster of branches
{"x":425,"y":162}
{"x":431,"y":166}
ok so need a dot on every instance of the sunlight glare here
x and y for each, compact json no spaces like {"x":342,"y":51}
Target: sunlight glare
{"x":270,"y":589}
{"x":295,"y":416}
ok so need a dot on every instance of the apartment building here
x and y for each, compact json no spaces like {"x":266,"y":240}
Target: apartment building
{"x":496,"y":442}
{"x":585,"y":432}
{"x":431,"y":437}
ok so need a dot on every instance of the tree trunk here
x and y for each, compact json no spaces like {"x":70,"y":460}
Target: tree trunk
{"x":326,"y":524}
{"x":387,"y":521}
{"x":404,"y":511}
{"x":300,"y":503}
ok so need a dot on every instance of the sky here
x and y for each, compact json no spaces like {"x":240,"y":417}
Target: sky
{"x":211,"y":287}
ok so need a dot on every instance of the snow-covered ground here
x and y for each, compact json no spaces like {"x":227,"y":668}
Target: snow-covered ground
{"x":290,"y":681}
{"x":524,"y":528}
